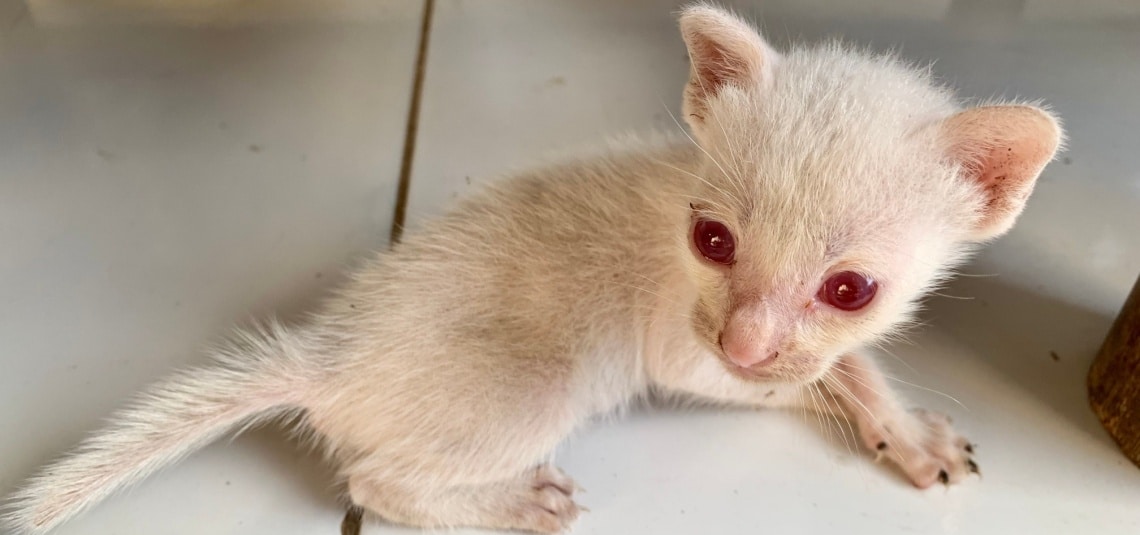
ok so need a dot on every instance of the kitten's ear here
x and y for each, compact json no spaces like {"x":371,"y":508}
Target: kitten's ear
{"x":1003,"y":150}
{"x":723,"y":51}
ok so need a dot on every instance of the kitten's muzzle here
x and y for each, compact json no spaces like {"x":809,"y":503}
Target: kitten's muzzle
{"x":748,"y":339}
{"x":746,"y":355}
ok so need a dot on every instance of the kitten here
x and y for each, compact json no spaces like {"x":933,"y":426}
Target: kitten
{"x":825,"y":191}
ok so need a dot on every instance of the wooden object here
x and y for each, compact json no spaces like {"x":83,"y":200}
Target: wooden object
{"x":1114,"y":379}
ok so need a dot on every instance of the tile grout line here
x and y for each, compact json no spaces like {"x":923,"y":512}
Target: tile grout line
{"x":405,"y":180}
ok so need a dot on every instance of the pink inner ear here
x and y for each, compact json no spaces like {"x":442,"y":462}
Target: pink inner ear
{"x":1003,"y":149}
{"x":723,"y":50}
{"x":715,"y":68}
{"x":1007,"y":174}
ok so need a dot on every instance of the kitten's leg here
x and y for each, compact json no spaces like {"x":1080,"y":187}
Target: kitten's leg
{"x":922,"y":443}
{"x":538,"y":500}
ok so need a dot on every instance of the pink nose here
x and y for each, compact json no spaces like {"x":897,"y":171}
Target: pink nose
{"x":743,"y":350}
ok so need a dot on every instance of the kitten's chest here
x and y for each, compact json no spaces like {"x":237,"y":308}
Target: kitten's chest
{"x":638,"y":327}
{"x":610,"y":375}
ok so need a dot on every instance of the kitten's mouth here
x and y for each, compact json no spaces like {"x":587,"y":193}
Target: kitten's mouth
{"x":780,"y":367}
{"x":761,"y":371}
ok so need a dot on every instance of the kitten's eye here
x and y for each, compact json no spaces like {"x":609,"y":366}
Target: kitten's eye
{"x":848,"y":290}
{"x":714,"y":241}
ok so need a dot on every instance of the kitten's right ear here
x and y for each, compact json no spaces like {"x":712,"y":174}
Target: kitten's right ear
{"x":724,"y":52}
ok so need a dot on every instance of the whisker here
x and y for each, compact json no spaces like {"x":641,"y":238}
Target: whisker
{"x":831,"y":383}
{"x":890,"y":440}
{"x":736,"y":174}
{"x":976,"y":275}
{"x":818,"y":410}
{"x":697,"y":145}
{"x":896,"y":357}
{"x":920,"y":387}
{"x":838,"y":411}
{"x":698,"y":177}
{"x":858,"y":380}
{"x":648,"y":291}
{"x":951,"y":296}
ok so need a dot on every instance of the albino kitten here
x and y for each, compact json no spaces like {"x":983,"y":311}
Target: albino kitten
{"x":827,"y":190}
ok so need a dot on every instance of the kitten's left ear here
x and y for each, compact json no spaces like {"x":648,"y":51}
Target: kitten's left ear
{"x":724,"y":52}
{"x":1003,"y":150}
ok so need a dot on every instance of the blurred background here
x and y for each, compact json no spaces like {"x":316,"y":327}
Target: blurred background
{"x":171,"y":167}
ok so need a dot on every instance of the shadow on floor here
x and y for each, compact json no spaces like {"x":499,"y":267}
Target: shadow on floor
{"x":307,"y":472}
{"x":1039,"y":343}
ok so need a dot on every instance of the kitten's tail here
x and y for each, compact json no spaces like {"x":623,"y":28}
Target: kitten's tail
{"x":260,"y":375}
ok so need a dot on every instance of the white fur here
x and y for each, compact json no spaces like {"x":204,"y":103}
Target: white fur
{"x":442,"y":376}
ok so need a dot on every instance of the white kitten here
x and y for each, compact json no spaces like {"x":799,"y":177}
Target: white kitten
{"x":825,"y":192}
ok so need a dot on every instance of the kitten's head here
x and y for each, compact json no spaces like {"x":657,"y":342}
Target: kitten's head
{"x":836,"y":188}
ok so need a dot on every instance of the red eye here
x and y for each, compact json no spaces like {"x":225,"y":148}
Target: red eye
{"x":714,"y":241}
{"x":848,"y":291}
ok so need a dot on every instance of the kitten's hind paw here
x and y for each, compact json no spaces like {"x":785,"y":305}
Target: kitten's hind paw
{"x":548,"y":506}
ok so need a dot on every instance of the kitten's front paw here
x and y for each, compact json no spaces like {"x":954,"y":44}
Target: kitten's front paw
{"x":925,"y":446}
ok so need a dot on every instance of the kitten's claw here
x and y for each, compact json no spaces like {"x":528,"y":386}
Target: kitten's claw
{"x":880,"y":452}
{"x":549,"y":476}
{"x":549,"y":507}
{"x":925,"y":447}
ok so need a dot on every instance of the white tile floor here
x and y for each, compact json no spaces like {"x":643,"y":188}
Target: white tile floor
{"x":158,"y":184}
